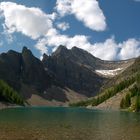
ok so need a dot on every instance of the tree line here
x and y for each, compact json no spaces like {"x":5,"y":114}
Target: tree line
{"x":134,"y":93}
{"x":107,"y":94}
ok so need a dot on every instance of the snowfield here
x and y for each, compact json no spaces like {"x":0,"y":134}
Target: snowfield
{"x":109,"y":72}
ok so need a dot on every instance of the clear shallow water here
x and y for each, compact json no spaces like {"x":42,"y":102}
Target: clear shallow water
{"x":46,"y":123}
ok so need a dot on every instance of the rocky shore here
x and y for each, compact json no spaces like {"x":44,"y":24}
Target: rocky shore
{"x":4,"y":105}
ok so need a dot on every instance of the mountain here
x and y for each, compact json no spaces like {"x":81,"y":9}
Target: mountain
{"x":73,"y":70}
{"x":68,"y":75}
{"x":81,"y":71}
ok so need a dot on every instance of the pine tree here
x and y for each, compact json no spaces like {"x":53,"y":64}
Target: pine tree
{"x":137,"y":104}
{"x":127,"y":101}
{"x":122,"y":103}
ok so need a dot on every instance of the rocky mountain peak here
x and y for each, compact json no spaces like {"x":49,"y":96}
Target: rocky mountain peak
{"x":12,"y":52}
{"x":45,"y":56}
{"x":61,"y":50}
{"x":75,"y":49}
{"x":26,"y":51}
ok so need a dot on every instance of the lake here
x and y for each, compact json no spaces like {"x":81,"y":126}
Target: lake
{"x":59,"y":123}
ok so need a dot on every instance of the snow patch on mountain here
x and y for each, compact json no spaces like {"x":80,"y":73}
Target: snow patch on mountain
{"x":109,"y":72}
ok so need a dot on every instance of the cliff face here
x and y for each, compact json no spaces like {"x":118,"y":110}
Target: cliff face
{"x":10,"y":68}
{"x":33,"y":72}
{"x":73,"y":70}
{"x":23,"y":68}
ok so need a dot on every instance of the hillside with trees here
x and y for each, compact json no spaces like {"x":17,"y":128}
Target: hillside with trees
{"x":130,"y":80}
{"x":9,"y":95}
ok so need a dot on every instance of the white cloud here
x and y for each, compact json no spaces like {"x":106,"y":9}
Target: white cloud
{"x":111,"y":50}
{"x":87,"y":11}
{"x":7,"y":35}
{"x":129,"y":49}
{"x":31,"y":22}
{"x":41,"y":46}
{"x":107,"y":50}
{"x":63,"y":26}
{"x":38,"y":25}
{"x":52,"y":16}
{"x":54,"y":38}
{"x":63,"y":7}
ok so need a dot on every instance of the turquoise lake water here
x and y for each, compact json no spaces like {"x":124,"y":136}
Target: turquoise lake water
{"x":58,"y":123}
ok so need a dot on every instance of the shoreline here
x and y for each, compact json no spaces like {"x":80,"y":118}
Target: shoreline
{"x":10,"y":106}
{"x":4,"y":105}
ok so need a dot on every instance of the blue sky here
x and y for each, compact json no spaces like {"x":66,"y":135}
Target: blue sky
{"x":107,"y":29}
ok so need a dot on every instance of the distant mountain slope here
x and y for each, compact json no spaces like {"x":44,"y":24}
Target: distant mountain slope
{"x":123,"y":91}
{"x":65,"y":76}
{"x":132,"y":70}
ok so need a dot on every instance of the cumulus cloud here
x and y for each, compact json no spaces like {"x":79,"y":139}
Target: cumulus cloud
{"x":107,"y":50}
{"x":111,"y":50}
{"x":129,"y":49}
{"x":63,"y":26}
{"x":87,"y":11}
{"x":37,"y":25}
{"x":31,"y":22}
{"x":54,"y":38}
{"x":64,"y":7}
